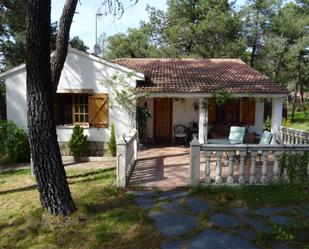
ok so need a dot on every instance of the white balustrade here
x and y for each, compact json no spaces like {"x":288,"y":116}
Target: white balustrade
{"x":293,"y":136}
{"x":237,"y":158}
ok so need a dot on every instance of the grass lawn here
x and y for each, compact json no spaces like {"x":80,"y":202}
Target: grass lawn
{"x":107,"y":217}
{"x":301,"y":121}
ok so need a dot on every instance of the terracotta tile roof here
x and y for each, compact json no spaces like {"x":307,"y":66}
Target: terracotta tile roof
{"x":200,"y":76}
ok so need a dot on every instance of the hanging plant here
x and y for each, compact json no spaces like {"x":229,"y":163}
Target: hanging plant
{"x":205,"y":104}
{"x":222,"y":96}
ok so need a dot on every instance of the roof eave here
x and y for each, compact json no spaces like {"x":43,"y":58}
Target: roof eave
{"x":138,"y":75}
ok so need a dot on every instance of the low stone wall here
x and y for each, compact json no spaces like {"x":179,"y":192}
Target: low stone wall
{"x":94,"y":149}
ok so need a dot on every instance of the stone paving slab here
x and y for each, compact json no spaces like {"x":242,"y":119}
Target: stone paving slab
{"x":257,"y":225}
{"x":172,"y":224}
{"x":212,"y":239}
{"x":172,"y":245}
{"x":268,"y":211}
{"x":172,"y":195}
{"x":144,"y":202}
{"x":170,"y":212}
{"x":223,"y":220}
{"x":247,"y":234}
{"x":281,"y":220}
{"x":170,"y":206}
{"x":196,"y":205}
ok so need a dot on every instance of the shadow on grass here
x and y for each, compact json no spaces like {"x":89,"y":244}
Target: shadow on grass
{"x":8,"y":172}
{"x":10,"y":191}
{"x":89,"y":173}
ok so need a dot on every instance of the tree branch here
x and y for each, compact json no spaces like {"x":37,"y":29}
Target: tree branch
{"x":58,"y":59}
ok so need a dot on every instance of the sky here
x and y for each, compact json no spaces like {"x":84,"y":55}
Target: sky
{"x":84,"y":20}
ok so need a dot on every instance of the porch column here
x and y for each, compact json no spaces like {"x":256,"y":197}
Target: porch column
{"x":276,"y":118}
{"x":203,"y":121}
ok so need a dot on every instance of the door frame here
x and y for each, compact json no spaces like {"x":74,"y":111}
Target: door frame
{"x":155,"y":117}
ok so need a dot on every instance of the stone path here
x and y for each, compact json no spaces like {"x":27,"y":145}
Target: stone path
{"x":190,"y":223}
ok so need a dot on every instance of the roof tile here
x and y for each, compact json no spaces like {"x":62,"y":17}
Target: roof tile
{"x":200,"y":76}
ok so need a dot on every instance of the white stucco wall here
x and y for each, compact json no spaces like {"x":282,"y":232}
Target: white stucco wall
{"x":184,"y":113}
{"x":16,"y":103}
{"x":259,"y":118}
{"x":79,"y":72}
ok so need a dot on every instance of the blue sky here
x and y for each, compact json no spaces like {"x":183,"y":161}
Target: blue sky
{"x":84,"y":22}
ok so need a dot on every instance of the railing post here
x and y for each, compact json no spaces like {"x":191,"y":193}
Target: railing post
{"x":276,"y":169}
{"x":207,"y":167}
{"x":264,"y":166}
{"x":252,"y":179}
{"x":195,"y":148}
{"x":230,"y":179}
{"x":218,"y":178}
{"x":241,"y":178}
{"x":121,"y":162}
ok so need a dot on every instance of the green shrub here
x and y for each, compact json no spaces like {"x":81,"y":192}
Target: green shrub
{"x":112,"y":142}
{"x":78,"y":142}
{"x":295,"y":166}
{"x":286,"y":122}
{"x":14,"y":143}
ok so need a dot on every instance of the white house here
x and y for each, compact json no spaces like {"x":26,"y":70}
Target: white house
{"x":83,"y":97}
{"x":177,"y":90}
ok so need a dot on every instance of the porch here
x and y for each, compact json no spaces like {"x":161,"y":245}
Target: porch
{"x":169,"y":167}
{"x":202,"y":116}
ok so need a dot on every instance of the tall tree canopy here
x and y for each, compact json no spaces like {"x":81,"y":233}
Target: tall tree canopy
{"x":205,"y":28}
{"x":270,"y":35}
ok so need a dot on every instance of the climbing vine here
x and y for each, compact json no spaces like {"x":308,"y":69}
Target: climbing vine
{"x":222,"y":96}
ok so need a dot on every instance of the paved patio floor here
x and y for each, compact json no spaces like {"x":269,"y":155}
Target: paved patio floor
{"x":168,"y":167}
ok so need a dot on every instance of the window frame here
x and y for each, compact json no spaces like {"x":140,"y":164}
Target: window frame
{"x":73,"y":113}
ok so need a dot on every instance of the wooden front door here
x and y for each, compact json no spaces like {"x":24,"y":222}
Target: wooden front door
{"x":162,"y":119}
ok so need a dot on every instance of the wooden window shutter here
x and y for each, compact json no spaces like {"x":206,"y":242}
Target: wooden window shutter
{"x":98,"y":110}
{"x":248,"y":111}
{"x":212,"y":110}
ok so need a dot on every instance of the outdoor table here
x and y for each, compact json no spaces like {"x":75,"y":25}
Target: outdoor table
{"x":224,"y":141}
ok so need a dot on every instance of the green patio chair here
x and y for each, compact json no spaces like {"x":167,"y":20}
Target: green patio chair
{"x":265,"y":139}
{"x":237,"y":135}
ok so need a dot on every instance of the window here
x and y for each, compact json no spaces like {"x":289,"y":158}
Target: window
{"x":80,"y":104}
{"x":235,"y":111}
{"x":82,"y":109}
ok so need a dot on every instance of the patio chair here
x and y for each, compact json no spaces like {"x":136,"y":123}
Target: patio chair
{"x":180,"y":131}
{"x":265,"y":139}
{"x":237,"y":135}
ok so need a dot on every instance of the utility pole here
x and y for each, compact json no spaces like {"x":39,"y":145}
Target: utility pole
{"x":97,"y":48}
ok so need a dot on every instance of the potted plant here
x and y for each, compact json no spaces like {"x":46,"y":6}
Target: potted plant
{"x":142,"y":116}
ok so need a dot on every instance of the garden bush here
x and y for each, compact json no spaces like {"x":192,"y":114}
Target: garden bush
{"x":78,"y":142}
{"x":112,"y":142}
{"x":295,"y":165}
{"x":14,"y":143}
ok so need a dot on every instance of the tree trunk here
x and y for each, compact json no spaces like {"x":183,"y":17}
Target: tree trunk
{"x":302,"y":101}
{"x":254,"y":45}
{"x":62,"y":41}
{"x":54,"y":192}
{"x":296,"y":87}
